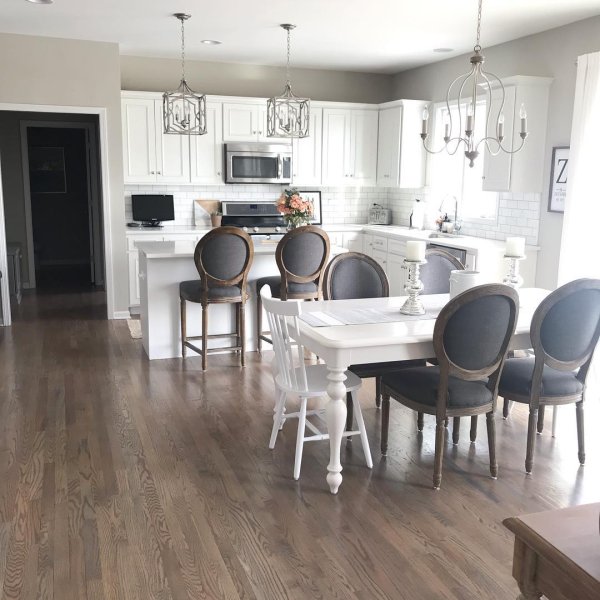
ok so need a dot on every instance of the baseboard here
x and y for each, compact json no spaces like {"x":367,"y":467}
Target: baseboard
{"x":121,"y":314}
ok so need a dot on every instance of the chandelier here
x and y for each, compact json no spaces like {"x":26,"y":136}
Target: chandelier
{"x":287,"y":115}
{"x":184,"y":111}
{"x":475,"y":81}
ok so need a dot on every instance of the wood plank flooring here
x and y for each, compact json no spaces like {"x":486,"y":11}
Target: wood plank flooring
{"x":125,"y":479}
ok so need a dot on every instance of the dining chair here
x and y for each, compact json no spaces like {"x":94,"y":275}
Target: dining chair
{"x":470,"y":340}
{"x":564,"y":332}
{"x":223,"y":258}
{"x":293,"y":377}
{"x":435,"y":276}
{"x":301,"y":256}
{"x":351,"y":276}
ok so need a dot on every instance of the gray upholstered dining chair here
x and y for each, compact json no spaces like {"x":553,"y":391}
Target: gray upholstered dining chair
{"x":223,"y":258}
{"x":470,"y":340}
{"x":352,"y":276}
{"x":564,"y":332}
{"x":435,"y":274}
{"x":301,"y":256}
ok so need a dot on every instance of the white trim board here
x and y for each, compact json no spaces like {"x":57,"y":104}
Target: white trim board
{"x":106,"y":200}
{"x":4,"y":287}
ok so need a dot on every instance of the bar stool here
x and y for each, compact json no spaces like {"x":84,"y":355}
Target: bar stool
{"x":301,"y":256}
{"x":223,"y":258}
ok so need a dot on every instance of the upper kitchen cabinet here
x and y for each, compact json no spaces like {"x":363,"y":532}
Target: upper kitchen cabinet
{"x":400,"y":152}
{"x":349,"y":146}
{"x":207,"y":150}
{"x":523,"y":171}
{"x":306,"y":154}
{"x":149,"y":155}
{"x":246,"y":122}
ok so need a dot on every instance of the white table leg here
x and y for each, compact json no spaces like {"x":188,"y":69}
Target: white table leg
{"x":335,"y":416}
{"x":554,"y":419}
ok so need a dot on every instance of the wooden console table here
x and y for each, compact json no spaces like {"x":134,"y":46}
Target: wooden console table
{"x":557,"y":553}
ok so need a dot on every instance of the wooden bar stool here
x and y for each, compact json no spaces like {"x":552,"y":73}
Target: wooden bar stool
{"x":301,"y":257}
{"x":223,"y":258}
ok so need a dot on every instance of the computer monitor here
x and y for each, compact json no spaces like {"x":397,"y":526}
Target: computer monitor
{"x":152,"y":209}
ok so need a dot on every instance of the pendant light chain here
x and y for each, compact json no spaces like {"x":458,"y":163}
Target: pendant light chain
{"x":289,"y":52}
{"x":183,"y":49}
{"x":477,"y":44}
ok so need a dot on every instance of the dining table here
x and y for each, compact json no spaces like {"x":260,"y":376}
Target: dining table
{"x":373,"y":330}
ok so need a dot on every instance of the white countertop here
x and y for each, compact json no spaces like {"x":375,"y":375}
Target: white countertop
{"x":464,"y":242}
{"x":185,"y":249}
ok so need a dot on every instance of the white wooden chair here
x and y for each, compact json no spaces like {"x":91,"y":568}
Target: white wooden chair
{"x":293,"y":377}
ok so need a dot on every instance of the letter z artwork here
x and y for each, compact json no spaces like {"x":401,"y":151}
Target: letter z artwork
{"x":558,"y":179}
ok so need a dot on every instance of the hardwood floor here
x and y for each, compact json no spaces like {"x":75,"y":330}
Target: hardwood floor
{"x":125,"y":479}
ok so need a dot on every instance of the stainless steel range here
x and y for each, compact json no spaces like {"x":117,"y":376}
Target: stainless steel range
{"x":257,"y":218}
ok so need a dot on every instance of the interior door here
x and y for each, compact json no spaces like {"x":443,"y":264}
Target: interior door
{"x":94,"y":208}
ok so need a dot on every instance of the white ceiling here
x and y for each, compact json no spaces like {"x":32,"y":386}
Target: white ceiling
{"x":383,"y":36}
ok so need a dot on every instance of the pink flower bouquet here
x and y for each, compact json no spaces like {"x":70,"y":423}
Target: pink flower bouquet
{"x":295,"y":210}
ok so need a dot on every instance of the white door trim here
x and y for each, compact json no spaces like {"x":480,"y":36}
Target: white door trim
{"x":106,"y":200}
{"x":4,"y":287}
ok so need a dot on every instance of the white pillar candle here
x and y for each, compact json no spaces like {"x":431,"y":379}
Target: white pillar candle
{"x":415,"y":251}
{"x":515,"y":246}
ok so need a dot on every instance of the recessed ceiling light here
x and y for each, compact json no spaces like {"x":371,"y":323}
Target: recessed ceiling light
{"x":41,"y":1}
{"x":442,"y":50}
{"x":211,"y":42}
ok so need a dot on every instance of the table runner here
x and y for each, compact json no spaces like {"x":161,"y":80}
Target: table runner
{"x":364,"y":316}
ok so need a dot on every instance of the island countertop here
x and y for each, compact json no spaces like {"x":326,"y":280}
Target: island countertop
{"x":185,"y":249}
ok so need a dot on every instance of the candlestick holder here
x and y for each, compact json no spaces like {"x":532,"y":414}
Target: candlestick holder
{"x":413,"y":287}
{"x":513,"y":278}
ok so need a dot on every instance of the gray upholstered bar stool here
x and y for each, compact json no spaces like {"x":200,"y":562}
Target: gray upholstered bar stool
{"x":354,"y":275}
{"x":564,"y":332}
{"x":223,"y":258}
{"x":470,"y":339}
{"x":301,"y":257}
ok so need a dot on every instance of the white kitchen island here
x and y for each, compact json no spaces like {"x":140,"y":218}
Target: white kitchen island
{"x":163,"y":265}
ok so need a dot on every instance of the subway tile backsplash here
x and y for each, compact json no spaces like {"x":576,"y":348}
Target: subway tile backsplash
{"x":518,"y":214}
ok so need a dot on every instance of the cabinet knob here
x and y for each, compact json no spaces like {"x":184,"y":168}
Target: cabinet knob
{"x":158,"y":172}
{"x":254,"y":132}
{"x":152,"y":173}
{"x":260,"y":133}
{"x":218,"y":172}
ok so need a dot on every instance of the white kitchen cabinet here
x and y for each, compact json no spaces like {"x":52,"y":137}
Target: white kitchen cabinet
{"x":349,"y":147}
{"x":396,"y":273}
{"x":246,"y":122}
{"x":400,"y":152}
{"x":206,"y":151}
{"x":306,"y":152}
{"x":353,"y":240}
{"x":523,"y":171}
{"x":149,"y":155}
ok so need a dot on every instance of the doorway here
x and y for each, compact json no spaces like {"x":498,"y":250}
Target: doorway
{"x":62,"y":205}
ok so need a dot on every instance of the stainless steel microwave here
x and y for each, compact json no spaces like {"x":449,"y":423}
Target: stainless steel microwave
{"x":258,"y":163}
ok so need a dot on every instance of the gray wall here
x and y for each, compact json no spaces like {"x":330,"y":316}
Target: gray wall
{"x":550,"y":54}
{"x":56,"y":72}
{"x":230,"y":79}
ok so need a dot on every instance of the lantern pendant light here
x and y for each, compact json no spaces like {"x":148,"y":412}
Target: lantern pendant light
{"x":184,"y":111}
{"x":287,"y":115}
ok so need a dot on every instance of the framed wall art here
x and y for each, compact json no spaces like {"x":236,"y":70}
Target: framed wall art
{"x":315,"y":198}
{"x":558,"y":179}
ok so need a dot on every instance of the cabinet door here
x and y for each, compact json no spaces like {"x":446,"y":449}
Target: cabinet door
{"x":381,"y":258}
{"x":353,"y":241}
{"x":139,"y":140}
{"x":306,"y":155}
{"x":336,"y":147}
{"x":240,"y":122}
{"x":172,"y":152}
{"x":368,"y":244}
{"x":363,"y":144}
{"x":207,"y":150}
{"x":388,"y":146}
{"x":497,"y":169}
{"x":261,"y":123}
{"x":396,"y":274}
{"x":134,"y":281}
